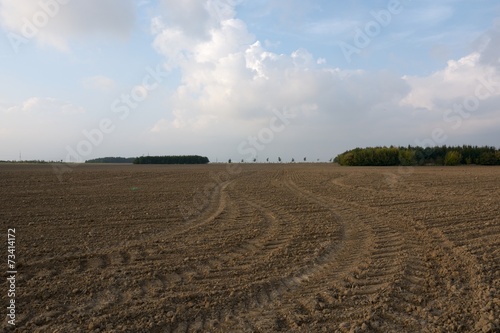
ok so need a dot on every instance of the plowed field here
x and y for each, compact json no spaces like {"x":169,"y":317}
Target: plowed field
{"x":256,"y":248}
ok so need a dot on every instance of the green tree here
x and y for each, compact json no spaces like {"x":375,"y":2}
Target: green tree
{"x":452,"y":157}
{"x":407,"y":157}
{"x":487,"y":158}
{"x":185,"y":159}
{"x":442,"y":155}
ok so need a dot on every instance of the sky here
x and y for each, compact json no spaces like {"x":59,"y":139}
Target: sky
{"x":245,"y":79}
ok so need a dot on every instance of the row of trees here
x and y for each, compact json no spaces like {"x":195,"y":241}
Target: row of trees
{"x":279,"y":160}
{"x":112,"y":160}
{"x":184,"y":159}
{"x":28,"y":161}
{"x":443,"y":155}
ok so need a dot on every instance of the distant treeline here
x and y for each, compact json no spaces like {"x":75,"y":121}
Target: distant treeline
{"x":187,"y":159}
{"x":29,"y":161}
{"x":444,"y":155}
{"x":112,"y":160}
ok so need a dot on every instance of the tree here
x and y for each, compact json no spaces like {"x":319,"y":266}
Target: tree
{"x":407,"y":157}
{"x":112,"y":160}
{"x":487,"y":158}
{"x":452,"y":158}
{"x":442,"y":155}
{"x":185,"y":159}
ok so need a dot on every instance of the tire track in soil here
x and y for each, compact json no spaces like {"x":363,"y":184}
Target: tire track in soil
{"x":248,"y":256}
{"x":274,"y":239}
{"x":124,"y":257}
{"x":378,"y":272}
{"x":366,"y":281}
{"x":338,"y":259}
{"x":376,"y":281}
{"x":207,"y":215}
{"x":152,"y":287}
{"x":418,"y":304}
{"x":261,"y":294}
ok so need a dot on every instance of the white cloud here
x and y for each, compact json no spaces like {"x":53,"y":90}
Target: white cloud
{"x":460,"y":79}
{"x":228,"y":76}
{"x":57,"y":22}
{"x":231,"y":82}
{"x":36,"y":106}
{"x":197,"y":18}
{"x":160,"y":125}
{"x":39,"y":127}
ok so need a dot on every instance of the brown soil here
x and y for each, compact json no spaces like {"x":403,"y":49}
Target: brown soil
{"x":278,"y":247}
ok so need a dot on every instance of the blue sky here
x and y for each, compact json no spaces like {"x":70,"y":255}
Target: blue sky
{"x":245,"y":79}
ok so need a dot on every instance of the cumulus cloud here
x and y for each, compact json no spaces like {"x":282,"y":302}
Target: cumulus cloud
{"x":231,"y":82}
{"x":228,"y":74}
{"x":461,"y":78}
{"x":197,"y":18}
{"x":214,"y":35}
{"x":57,"y":22}
{"x":462,"y":99}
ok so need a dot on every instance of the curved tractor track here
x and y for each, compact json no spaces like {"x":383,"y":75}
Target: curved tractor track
{"x":292,"y":248}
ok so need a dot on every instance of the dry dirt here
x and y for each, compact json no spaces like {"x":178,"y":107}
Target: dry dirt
{"x":277,"y":247}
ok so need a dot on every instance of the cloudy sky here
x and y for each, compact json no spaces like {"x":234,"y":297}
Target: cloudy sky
{"x":245,"y":78}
